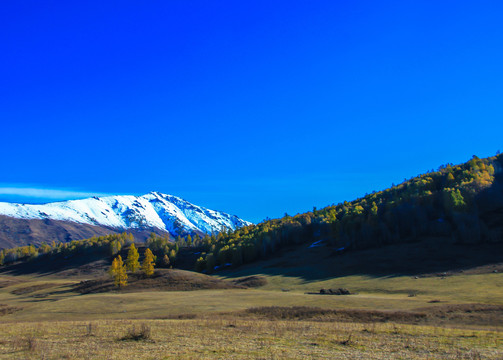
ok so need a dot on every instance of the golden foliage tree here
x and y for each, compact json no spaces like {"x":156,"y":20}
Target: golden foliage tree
{"x":115,"y":247}
{"x":147,"y":265}
{"x":165,"y":260}
{"x":132,"y":263}
{"x":374,"y":209}
{"x":118,"y":272}
{"x":172,"y":255}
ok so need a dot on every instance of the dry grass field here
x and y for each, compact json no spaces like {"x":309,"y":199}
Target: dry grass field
{"x":236,"y":337}
{"x":43,"y":318}
{"x":454,"y":314}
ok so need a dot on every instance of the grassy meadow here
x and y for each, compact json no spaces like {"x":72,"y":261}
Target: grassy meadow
{"x":388,"y":317}
{"x":243,"y":338}
{"x":404,"y":314}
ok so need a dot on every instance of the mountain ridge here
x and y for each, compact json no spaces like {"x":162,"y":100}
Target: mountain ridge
{"x":154,"y":211}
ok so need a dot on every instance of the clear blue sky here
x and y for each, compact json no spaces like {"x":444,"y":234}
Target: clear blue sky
{"x":256,"y":108}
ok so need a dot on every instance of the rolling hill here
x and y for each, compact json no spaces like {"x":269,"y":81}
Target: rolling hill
{"x":457,"y":204}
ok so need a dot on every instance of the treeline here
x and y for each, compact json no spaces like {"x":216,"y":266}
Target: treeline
{"x":108,"y":243}
{"x":164,"y":248}
{"x":450,"y":202}
{"x":446,"y":202}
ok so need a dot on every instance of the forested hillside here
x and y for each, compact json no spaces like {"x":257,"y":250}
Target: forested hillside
{"x":456,"y":204}
{"x":459,"y":203}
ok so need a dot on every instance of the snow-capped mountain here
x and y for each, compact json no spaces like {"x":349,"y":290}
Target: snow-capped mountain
{"x":151,"y":211}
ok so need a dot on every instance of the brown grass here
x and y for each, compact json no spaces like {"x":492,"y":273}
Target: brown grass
{"x":350,"y":315}
{"x":162,"y":280}
{"x":448,"y":315}
{"x":6,"y":309}
{"x":235,"y":337}
{"x":458,"y":317}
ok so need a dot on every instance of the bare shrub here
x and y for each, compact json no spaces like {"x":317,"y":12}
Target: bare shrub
{"x":27,"y":343}
{"x":31,"y":343}
{"x":134,"y":334}
{"x":347,"y":342}
{"x":90,"y":329}
{"x":186,"y":316}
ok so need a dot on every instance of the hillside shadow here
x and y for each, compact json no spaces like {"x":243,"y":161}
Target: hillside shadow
{"x":431,"y":257}
{"x":82,"y":263}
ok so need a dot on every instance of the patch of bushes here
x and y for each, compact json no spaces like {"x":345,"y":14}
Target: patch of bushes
{"x":339,"y":291}
{"x":138,"y":334}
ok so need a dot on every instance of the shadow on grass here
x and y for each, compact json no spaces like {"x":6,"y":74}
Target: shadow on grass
{"x":87,"y":262}
{"x":430,"y":257}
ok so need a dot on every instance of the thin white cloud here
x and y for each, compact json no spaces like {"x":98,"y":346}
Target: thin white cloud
{"x":38,"y":193}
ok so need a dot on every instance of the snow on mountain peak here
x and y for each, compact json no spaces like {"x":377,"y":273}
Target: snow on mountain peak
{"x":153,"y":210}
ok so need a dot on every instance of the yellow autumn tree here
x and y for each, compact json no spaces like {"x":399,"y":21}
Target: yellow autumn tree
{"x":374,"y":209}
{"x":172,"y":255}
{"x":132,"y":263}
{"x":118,"y":272}
{"x":147,"y":265}
{"x":165,"y":260}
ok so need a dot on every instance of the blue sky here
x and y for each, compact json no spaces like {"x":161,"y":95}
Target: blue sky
{"x":254,"y":108}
